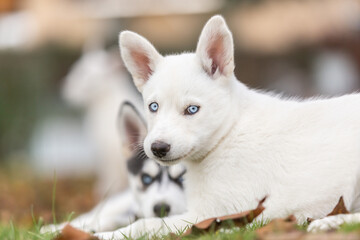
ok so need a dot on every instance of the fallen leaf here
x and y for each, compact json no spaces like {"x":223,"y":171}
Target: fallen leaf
{"x":239,"y":220}
{"x":70,"y":233}
{"x":339,"y":208}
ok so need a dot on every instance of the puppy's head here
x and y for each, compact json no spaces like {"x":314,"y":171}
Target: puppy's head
{"x":158,"y":190}
{"x":187,"y":97}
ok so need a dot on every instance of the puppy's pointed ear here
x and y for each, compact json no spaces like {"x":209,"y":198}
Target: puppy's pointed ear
{"x":132,"y":128}
{"x":215,"y":48}
{"x":139,"y":56}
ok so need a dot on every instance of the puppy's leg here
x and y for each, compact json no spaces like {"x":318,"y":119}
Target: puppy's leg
{"x":107,"y":215}
{"x":333,"y":222}
{"x":151,"y":226}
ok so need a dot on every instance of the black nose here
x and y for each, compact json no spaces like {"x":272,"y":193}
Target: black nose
{"x":160,"y":149}
{"x":161,"y":209}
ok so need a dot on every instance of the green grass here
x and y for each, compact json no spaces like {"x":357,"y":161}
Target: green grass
{"x":12,"y":232}
{"x":350,"y":227}
{"x":244,"y":233}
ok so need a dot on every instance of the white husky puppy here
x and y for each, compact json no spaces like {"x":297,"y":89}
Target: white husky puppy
{"x":239,"y":144}
{"x":154,"y":190}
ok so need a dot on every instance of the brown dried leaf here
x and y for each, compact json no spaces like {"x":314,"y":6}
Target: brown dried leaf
{"x":339,"y":208}
{"x":286,"y":225}
{"x":239,"y":220}
{"x":70,"y":233}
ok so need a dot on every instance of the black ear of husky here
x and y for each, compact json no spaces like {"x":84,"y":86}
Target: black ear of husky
{"x":136,"y":162}
{"x":132,"y":129}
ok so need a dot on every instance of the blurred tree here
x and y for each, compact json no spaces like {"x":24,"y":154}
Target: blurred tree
{"x":29,"y":84}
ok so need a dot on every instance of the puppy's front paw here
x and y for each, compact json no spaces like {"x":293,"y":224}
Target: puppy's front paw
{"x":105,"y":235}
{"x":327,"y":223}
{"x":115,"y":235}
{"x":122,"y":233}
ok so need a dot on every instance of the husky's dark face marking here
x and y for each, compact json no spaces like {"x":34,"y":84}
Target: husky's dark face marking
{"x":136,"y":162}
{"x":174,"y":176}
{"x":158,"y":189}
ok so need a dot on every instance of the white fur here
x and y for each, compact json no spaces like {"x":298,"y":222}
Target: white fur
{"x":142,"y":58}
{"x":118,"y":210}
{"x":123,"y":208}
{"x":164,"y":191}
{"x":244,"y":145}
{"x":98,"y":83}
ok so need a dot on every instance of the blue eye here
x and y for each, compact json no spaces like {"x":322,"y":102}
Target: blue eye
{"x":192,"y":109}
{"x":146,"y":179}
{"x":153,"y":107}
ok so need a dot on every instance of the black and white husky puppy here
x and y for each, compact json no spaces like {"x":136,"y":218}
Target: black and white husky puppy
{"x":154,"y":190}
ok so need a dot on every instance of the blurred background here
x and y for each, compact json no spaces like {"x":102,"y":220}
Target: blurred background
{"x":62,"y":79}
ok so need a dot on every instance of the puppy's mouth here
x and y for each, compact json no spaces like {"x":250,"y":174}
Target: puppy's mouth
{"x":171,"y":161}
{"x":168,"y":162}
